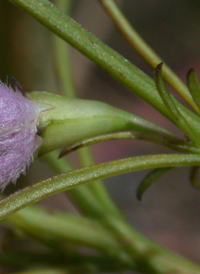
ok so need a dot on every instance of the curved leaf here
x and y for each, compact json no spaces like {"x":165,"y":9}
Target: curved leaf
{"x":82,"y":176}
{"x":178,"y":117}
{"x":194,"y":177}
{"x":173,"y":143}
{"x":150,"y":179}
{"x":194,"y":87}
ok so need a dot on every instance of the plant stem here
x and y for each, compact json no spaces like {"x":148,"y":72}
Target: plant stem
{"x":146,"y":256}
{"x":98,"y":189}
{"x":62,"y":60}
{"x":67,"y":228}
{"x":64,"y":73}
{"x":82,"y":195}
{"x":65,"y":79}
{"x":146,"y":51}
{"x":150,"y":258}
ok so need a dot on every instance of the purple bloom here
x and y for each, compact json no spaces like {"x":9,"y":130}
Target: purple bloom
{"x":18,"y":133}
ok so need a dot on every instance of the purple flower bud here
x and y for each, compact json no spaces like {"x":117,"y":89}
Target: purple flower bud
{"x":18,"y":133}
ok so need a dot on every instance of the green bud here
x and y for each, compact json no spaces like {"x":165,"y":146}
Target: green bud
{"x":72,"y":120}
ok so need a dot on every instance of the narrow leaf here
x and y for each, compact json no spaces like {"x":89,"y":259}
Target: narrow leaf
{"x":150,"y":179}
{"x":171,"y":142}
{"x":173,"y":108}
{"x":194,"y":86}
{"x":165,"y":95}
{"x":194,"y":177}
{"x":95,"y":140}
{"x":82,"y":176}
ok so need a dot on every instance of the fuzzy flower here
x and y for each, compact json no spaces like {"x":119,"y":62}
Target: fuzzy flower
{"x":18,"y":133}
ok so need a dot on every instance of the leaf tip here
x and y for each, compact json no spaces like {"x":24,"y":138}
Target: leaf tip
{"x":139,"y":195}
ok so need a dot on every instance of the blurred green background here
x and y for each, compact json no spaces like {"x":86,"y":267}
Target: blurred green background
{"x":169,"y":211}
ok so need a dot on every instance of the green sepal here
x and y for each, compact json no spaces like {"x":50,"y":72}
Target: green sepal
{"x":68,"y":121}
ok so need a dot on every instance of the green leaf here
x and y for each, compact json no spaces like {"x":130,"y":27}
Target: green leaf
{"x":150,"y":179}
{"x":173,"y":143}
{"x":194,"y":87}
{"x":173,"y":108}
{"x":165,"y":95}
{"x":95,"y":140}
{"x":82,"y":176}
{"x":194,"y":177}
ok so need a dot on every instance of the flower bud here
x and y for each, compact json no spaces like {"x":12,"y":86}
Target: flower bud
{"x":73,"y":120}
{"x":65,"y":122}
{"x":18,"y":133}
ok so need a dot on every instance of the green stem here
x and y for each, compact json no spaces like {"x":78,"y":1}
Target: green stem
{"x":81,"y":195}
{"x":98,"y":189}
{"x":146,"y":51}
{"x":150,"y":258}
{"x":64,"y":73}
{"x":146,"y":256}
{"x":62,"y":58}
{"x":108,"y":59}
{"x":69,"y":228}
